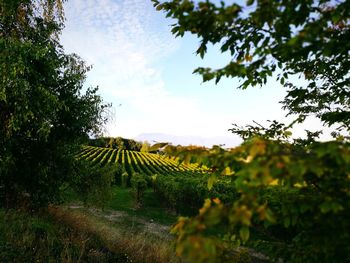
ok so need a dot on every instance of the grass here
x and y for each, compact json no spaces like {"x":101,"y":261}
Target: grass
{"x":39,"y":238}
{"x":120,"y":232}
{"x":135,"y":246}
{"x":61,"y":234}
{"x":151,"y":210}
{"x":140,"y":233}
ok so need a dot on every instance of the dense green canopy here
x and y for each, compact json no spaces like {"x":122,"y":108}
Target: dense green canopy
{"x":44,"y":110}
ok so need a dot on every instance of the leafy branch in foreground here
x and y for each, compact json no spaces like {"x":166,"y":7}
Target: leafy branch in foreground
{"x":294,"y":194}
{"x":283,"y":188}
{"x":305,"y":39}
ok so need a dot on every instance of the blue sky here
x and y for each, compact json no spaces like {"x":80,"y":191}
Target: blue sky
{"x":146,"y":74}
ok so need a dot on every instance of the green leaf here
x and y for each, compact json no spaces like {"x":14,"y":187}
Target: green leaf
{"x":282,"y":81}
{"x":288,"y":133}
{"x":250,"y":2}
{"x":212,"y":179}
{"x":244,"y":233}
{"x":159,"y":7}
{"x":325,"y":207}
{"x":286,"y":222}
{"x":269,"y":216}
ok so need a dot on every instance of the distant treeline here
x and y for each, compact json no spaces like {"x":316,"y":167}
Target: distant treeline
{"x":116,"y":143}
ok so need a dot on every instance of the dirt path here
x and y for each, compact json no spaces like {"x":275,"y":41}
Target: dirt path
{"x":139,"y":239}
{"x":113,"y":216}
{"x":150,"y":242}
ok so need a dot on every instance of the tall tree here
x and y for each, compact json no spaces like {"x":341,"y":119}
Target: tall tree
{"x":44,"y":112}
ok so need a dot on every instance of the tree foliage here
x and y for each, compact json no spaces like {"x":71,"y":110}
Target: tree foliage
{"x":308,"y":39}
{"x":44,"y":112}
{"x":139,"y":185}
{"x":116,"y":143}
{"x":93,"y":183}
{"x":294,"y":197}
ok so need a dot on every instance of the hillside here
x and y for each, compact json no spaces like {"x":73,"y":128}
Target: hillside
{"x":226,"y":141}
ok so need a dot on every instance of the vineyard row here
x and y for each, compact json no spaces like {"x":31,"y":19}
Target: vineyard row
{"x":137,"y":162}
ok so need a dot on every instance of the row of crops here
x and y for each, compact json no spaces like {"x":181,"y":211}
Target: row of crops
{"x":137,"y":162}
{"x":183,"y":187}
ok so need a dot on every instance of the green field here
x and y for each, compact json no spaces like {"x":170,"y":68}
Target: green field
{"x":138,"y":162}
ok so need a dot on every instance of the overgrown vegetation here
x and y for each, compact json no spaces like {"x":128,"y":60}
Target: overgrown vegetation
{"x":40,"y":238}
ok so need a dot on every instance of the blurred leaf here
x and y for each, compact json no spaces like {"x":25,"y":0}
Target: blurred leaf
{"x":244,"y":233}
{"x":212,"y":179}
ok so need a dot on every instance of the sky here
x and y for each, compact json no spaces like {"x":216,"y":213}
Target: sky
{"x":146,"y":73}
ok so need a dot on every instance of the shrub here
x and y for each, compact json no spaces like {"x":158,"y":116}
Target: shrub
{"x":139,"y":185}
{"x":93,"y":184}
{"x":118,"y":172}
{"x":186,"y":193}
{"x":125,"y":179}
{"x":154,"y":181}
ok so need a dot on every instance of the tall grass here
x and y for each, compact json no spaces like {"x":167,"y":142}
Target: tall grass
{"x":136,"y":247}
{"x":36,"y":238}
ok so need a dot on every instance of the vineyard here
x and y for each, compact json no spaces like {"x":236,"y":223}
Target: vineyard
{"x":183,"y":187}
{"x":137,"y":162}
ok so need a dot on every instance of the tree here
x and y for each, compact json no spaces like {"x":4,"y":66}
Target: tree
{"x":293,"y":194}
{"x":44,"y":112}
{"x":304,"y":38}
{"x":145,"y":147}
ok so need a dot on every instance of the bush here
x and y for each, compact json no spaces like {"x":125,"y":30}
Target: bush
{"x":293,"y":203}
{"x":154,"y":182}
{"x":125,"y":179}
{"x":139,"y":185}
{"x":118,"y":172}
{"x":186,"y":193}
{"x":303,"y":232}
{"x":93,"y":184}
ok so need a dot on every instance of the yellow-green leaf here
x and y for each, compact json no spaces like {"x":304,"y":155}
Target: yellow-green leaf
{"x":244,"y":233}
{"x":212,"y":179}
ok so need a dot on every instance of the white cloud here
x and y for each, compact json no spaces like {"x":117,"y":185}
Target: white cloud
{"x":122,"y":40}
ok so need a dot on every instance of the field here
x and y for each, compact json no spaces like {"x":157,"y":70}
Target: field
{"x":138,"y":162}
{"x":183,"y":187}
